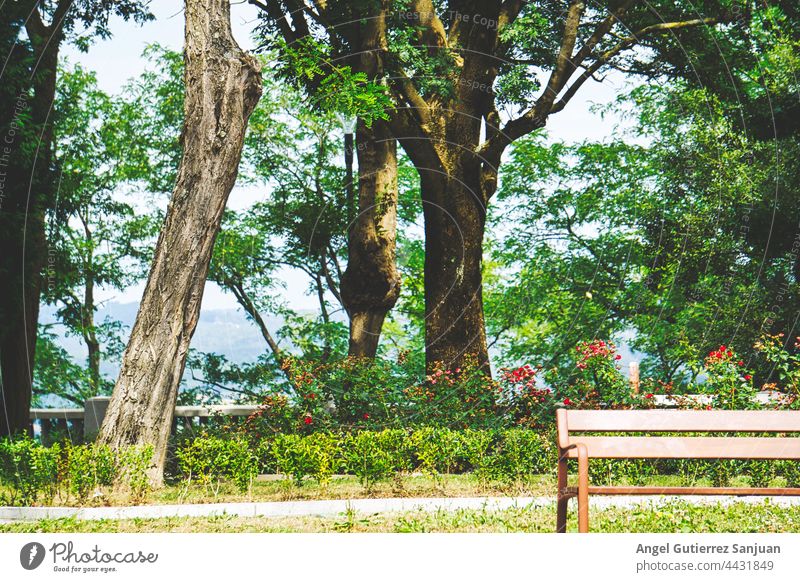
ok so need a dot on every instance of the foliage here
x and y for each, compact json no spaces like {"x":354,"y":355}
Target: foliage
{"x":134,"y":464}
{"x":28,"y":471}
{"x":210,"y":460}
{"x":366,"y":455}
{"x":784,"y":361}
{"x":728,"y":380}
{"x":31,"y":473}
{"x":305,"y":456}
{"x":90,"y":467}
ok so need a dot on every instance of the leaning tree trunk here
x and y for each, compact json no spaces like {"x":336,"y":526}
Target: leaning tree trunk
{"x":455,"y":218}
{"x":223,"y":86}
{"x":371,"y":283}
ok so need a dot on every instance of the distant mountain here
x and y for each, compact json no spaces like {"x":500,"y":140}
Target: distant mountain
{"x":222,"y":331}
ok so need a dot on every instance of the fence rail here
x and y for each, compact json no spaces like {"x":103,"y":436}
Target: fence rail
{"x":85,"y":422}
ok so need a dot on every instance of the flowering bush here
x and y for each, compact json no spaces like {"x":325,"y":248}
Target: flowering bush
{"x":528,"y":404}
{"x":458,"y":398}
{"x":596,"y":380}
{"x":728,"y":380}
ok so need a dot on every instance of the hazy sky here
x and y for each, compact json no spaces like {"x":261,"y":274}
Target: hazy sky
{"x":119,"y":59}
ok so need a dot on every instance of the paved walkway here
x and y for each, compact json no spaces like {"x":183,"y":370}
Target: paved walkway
{"x":336,"y":507}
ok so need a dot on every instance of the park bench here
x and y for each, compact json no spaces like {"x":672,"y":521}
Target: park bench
{"x":574,"y":443}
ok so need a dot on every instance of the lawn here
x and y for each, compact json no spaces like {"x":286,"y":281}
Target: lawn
{"x":669,"y":517}
{"x":276,"y":488}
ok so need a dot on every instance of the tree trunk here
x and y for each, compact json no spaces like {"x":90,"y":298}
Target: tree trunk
{"x":455,"y":217}
{"x":223,"y":86}
{"x":370,"y":285}
{"x":29,"y":193}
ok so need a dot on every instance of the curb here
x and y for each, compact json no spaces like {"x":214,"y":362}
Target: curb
{"x":332,"y":507}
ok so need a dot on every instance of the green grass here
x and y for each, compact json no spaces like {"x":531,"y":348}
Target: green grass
{"x":348,"y":487}
{"x":667,"y":518}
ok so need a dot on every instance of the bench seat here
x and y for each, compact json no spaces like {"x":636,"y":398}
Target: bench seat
{"x":576,"y":441}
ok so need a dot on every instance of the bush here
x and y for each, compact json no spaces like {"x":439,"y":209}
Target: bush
{"x":212,"y":459}
{"x":438,"y":450}
{"x":90,"y":467}
{"x":520,"y":453}
{"x":478,"y":448}
{"x":134,"y":463}
{"x":367,"y":458}
{"x":305,"y":456}
{"x":791,"y":472}
{"x":28,"y":470}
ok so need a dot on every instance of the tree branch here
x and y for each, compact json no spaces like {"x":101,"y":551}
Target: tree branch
{"x":624,"y":44}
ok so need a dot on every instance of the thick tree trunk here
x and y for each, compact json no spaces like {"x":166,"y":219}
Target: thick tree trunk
{"x":223,"y":86}
{"x":370,"y":285}
{"x":29,"y":193}
{"x":455,"y":217}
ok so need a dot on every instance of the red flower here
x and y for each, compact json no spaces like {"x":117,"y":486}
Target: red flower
{"x":648,"y":395}
{"x":708,"y":407}
{"x":567,"y":402}
{"x":747,"y":377}
{"x":308,"y":419}
{"x":366,"y":416}
{"x":740,"y":363}
{"x":617,"y":357}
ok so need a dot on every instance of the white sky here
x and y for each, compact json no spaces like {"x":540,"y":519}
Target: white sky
{"x":119,"y":59}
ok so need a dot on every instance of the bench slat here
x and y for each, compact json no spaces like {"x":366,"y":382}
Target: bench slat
{"x":682,"y":420}
{"x":772,"y":491}
{"x":688,"y":447}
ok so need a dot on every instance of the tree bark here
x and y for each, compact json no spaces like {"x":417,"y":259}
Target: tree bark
{"x":223,"y":86}
{"x":370,"y":285}
{"x":455,"y":218}
{"x":30,"y":190}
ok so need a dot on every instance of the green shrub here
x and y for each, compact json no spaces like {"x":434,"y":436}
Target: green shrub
{"x":760,"y":472}
{"x":521,"y":453}
{"x":639,"y":472}
{"x":478,"y":448}
{"x":438,"y":450}
{"x":305,"y":456}
{"x":90,"y":467}
{"x":28,"y":471}
{"x":265,"y":454}
{"x":366,"y":458}
{"x":397,"y":443}
{"x":212,"y":460}
{"x":791,"y":472}
{"x":134,"y":463}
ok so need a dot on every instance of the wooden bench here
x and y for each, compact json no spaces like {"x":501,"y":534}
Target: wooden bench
{"x":574,"y":444}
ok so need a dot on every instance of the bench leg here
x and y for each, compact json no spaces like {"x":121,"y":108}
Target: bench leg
{"x":562,"y":499}
{"x":583,"y":489}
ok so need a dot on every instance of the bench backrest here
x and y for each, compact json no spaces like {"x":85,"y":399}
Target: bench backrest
{"x":571,"y":423}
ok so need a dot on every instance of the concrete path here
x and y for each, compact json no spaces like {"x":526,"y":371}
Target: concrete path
{"x":336,"y":507}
